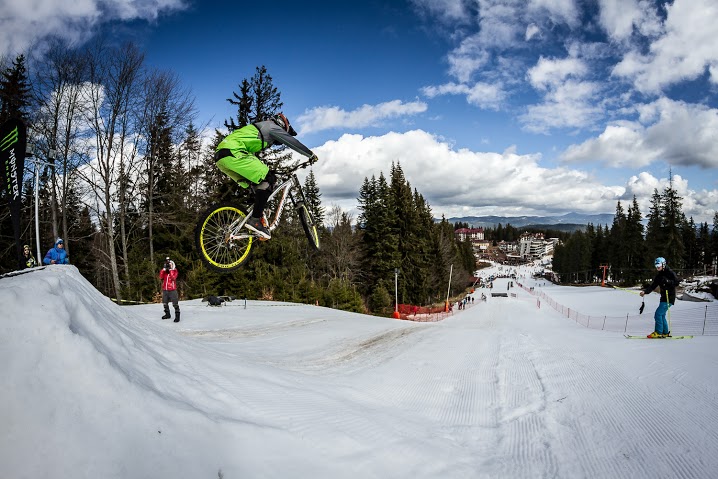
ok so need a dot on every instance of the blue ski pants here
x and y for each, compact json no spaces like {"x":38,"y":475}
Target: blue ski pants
{"x":660,"y":317}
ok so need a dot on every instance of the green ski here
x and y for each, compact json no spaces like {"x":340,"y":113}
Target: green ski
{"x":669,"y":337}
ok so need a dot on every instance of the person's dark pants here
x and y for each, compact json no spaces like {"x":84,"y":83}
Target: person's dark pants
{"x":173,"y":297}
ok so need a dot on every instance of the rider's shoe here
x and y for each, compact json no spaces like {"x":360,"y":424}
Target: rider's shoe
{"x":259,"y":226}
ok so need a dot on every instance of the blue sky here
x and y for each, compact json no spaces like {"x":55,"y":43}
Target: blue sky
{"x":492,"y":107}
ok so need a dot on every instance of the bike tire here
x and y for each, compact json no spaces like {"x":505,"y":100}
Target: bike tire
{"x":211,"y":239}
{"x":309,"y":225}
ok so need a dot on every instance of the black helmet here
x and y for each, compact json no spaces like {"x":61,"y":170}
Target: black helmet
{"x":282,"y":121}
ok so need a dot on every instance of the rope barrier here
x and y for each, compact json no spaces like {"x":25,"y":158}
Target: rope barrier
{"x":701,"y":321}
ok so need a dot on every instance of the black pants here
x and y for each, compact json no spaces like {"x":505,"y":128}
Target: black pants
{"x":170,"y":296}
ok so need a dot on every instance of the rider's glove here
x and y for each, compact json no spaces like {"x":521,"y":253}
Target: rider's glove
{"x":313,"y":159}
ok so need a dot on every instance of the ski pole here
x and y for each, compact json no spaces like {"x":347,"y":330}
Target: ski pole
{"x":624,"y":289}
{"x":668,"y":302}
{"x":643,"y":302}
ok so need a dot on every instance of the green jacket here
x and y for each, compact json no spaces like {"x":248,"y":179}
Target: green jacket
{"x":258,"y":136}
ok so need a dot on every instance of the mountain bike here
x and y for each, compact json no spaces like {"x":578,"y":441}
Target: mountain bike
{"x":224,"y":244}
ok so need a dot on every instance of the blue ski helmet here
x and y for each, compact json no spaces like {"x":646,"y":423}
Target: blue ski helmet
{"x":660,"y":261}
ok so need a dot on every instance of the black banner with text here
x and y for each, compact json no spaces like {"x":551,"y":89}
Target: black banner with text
{"x":13,"y":141}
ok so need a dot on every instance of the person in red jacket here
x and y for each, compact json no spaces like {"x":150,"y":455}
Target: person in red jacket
{"x":168,"y":275}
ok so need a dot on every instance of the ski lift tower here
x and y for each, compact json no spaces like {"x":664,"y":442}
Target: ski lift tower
{"x":604,"y":267}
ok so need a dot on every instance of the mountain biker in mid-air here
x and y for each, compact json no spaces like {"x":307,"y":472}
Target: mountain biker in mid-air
{"x":235,"y":157}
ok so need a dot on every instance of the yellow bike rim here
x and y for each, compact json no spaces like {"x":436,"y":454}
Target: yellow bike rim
{"x":214,"y":239}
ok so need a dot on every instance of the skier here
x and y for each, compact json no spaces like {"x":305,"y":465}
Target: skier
{"x":168,"y":275}
{"x":667,"y":281}
{"x":235,"y":157}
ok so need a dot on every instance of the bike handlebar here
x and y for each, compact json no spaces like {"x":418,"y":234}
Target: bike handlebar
{"x":292,"y":169}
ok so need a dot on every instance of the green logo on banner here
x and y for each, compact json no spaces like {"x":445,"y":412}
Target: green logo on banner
{"x":9,"y":140}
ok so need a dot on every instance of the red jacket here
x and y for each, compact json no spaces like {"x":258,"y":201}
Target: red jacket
{"x":169,"y":280}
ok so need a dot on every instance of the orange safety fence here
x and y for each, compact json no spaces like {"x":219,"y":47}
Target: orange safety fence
{"x":412,"y":312}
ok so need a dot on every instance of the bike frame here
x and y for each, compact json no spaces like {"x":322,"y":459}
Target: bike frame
{"x":285,"y":189}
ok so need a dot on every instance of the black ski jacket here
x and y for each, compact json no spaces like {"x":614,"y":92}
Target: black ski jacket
{"x":667,"y":281}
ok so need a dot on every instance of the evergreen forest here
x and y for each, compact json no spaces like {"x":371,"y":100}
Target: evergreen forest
{"x":626,"y":249}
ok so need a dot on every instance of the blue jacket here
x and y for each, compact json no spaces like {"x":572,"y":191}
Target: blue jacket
{"x":58,"y":254}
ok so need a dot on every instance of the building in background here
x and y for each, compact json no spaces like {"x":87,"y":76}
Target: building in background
{"x":535,"y":246}
{"x":471,"y":234}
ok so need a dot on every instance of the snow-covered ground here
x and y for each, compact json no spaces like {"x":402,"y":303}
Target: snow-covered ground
{"x":502,"y":389}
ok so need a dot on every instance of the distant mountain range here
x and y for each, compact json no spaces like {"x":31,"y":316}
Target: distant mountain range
{"x":569,"y":221}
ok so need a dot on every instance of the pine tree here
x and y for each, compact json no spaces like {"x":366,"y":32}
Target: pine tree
{"x":572,"y":259}
{"x":444,"y":253}
{"x":314,"y":197}
{"x":189,"y":155}
{"x":14,"y":91}
{"x":379,"y":245}
{"x":422,"y":261}
{"x":672,"y":218}
{"x":169,"y":190}
{"x":617,"y":235}
{"x":689,"y":236}
{"x":655,"y":233}
{"x":244,"y":102}
{"x":633,"y":244}
{"x":600,"y":247}
{"x":704,"y":245}
{"x":258,"y":100}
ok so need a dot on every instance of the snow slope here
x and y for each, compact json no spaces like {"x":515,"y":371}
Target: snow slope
{"x":502,"y":389}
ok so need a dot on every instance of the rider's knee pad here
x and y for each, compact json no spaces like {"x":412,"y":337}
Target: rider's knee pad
{"x":264,"y":186}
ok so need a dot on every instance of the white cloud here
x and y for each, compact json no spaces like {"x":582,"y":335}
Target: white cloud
{"x":23,"y":24}
{"x":449,"y":12}
{"x":571,"y":104}
{"x":498,"y":23}
{"x":484,"y":95}
{"x":568,"y":101}
{"x":619,"y":18}
{"x":456,"y":181}
{"x":685,"y":52}
{"x":467,"y":58}
{"x":676,"y":132}
{"x":699,"y":205}
{"x":619,"y":145}
{"x":328,"y":117}
{"x":558,"y":11}
{"x":551,"y":73}
{"x":461,"y":182}
{"x":531,"y":31}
